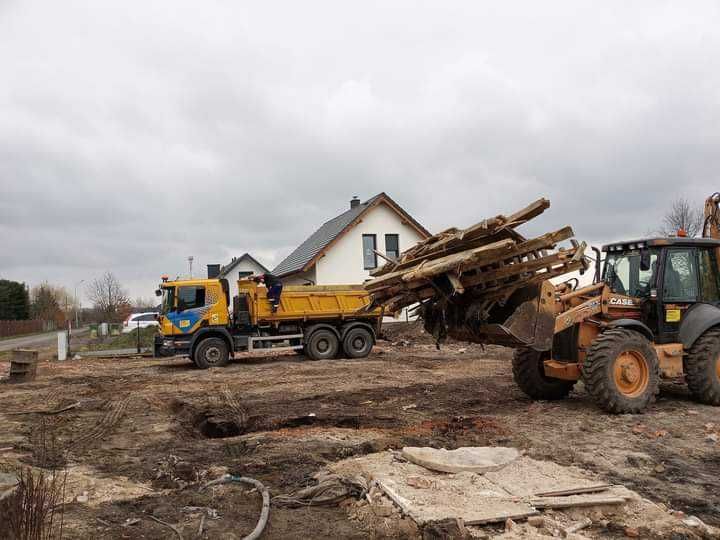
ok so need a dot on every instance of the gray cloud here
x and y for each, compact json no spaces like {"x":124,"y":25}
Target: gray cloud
{"x":134,"y":135}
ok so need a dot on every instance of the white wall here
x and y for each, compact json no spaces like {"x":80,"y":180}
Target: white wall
{"x":301,"y":278}
{"x":245,"y":265}
{"x":343,"y":262}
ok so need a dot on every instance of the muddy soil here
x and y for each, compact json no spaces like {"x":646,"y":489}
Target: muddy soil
{"x":148,"y":432}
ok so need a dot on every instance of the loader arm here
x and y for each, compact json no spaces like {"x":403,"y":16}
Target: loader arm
{"x":581,"y":312}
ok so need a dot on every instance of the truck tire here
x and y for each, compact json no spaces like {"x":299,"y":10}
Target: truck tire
{"x":529,"y":374}
{"x":621,"y":371}
{"x":702,"y":368}
{"x":322,"y":344}
{"x":358,"y":342}
{"x":211,"y":352}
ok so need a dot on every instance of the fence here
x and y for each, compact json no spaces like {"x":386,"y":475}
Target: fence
{"x":16,"y":328}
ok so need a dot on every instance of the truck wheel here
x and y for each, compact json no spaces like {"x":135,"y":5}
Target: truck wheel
{"x":358,"y":342}
{"x":621,"y":371}
{"x":702,"y":368}
{"x":211,"y":352}
{"x":529,"y":375}
{"x":322,"y":345}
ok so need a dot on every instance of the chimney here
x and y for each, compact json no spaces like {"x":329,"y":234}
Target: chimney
{"x":354,"y":202}
{"x":213,"y":271}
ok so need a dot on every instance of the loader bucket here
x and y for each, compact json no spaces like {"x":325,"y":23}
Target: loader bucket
{"x":531,"y":322}
{"x":526,"y":319}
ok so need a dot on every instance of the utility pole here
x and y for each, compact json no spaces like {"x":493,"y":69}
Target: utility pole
{"x":78,"y":304}
{"x":190,"y":261}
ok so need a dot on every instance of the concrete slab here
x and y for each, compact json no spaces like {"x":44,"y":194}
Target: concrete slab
{"x":477,"y":459}
{"x":527,"y":477}
{"x":426,"y":495}
{"x":511,"y":492}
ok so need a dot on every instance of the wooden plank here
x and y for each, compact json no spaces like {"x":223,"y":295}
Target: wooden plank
{"x":531,"y":211}
{"x":467,"y":264}
{"x":575,"y":501}
{"x":451,"y":262}
{"x":575,"y":491}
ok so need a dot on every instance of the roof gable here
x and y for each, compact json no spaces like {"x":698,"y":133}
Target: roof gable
{"x":225,"y":270}
{"x":307,"y":253}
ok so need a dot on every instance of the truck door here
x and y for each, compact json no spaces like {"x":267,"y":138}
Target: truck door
{"x":190,"y":308}
{"x":680,"y":289}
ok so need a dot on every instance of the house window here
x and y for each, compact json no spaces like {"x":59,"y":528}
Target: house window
{"x":244,"y":274}
{"x":392,"y":246}
{"x":369,"y":247}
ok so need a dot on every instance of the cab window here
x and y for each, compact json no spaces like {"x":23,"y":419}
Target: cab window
{"x":709,"y":276}
{"x":168,"y":299}
{"x":680,"y":283}
{"x":624,"y":273}
{"x":190,"y":297}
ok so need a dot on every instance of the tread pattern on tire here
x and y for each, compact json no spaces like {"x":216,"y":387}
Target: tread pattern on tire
{"x":352,"y":354}
{"x":310,"y":343}
{"x":527,"y":375}
{"x":597,"y":376}
{"x":699,"y":366}
{"x":205,"y":343}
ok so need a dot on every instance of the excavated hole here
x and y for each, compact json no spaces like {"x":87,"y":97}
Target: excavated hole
{"x":218,"y":427}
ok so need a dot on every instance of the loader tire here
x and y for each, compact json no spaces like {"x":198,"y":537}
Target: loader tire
{"x":621,"y":371}
{"x":702,"y":368}
{"x":529,"y":374}
{"x":211,"y":352}
{"x":322,"y":344}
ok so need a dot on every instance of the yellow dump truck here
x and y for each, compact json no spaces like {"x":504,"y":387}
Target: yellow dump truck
{"x":321,"y":321}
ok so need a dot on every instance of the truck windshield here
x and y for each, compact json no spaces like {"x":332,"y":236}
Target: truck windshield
{"x":624,"y":276}
{"x":168,"y":299}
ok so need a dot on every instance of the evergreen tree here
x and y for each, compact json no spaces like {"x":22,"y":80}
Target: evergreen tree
{"x":14,"y":300}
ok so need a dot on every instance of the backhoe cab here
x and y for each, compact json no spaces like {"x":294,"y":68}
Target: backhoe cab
{"x":654,"y":313}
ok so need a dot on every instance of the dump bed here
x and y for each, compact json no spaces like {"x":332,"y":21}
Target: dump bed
{"x":307,"y":302}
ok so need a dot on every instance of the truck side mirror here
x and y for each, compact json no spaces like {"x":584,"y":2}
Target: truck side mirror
{"x":645,"y":260}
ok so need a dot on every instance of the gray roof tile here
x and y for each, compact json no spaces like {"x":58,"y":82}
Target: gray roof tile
{"x":318,"y":240}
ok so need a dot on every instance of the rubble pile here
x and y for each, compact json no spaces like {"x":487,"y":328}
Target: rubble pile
{"x":465,"y":278}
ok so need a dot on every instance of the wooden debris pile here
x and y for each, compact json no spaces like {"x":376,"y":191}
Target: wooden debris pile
{"x":464,"y":276}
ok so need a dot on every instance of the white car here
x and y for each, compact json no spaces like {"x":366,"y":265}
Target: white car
{"x":141,"y":320}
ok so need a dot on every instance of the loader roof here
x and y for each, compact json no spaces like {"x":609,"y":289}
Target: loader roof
{"x":627,"y":245}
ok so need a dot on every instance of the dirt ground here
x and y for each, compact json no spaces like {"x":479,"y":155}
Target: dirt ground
{"x":147,"y":432}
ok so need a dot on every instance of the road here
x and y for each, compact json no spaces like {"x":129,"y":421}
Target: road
{"x":36,"y":340}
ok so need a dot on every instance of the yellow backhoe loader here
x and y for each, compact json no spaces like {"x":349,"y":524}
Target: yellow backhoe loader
{"x":652,"y":311}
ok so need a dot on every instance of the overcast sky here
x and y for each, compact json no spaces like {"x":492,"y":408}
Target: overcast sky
{"x":133,"y":135}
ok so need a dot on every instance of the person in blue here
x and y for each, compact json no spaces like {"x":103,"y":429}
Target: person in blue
{"x":274,"y":289}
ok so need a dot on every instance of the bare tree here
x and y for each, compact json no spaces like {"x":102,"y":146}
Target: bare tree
{"x":682,"y":215}
{"x":108,"y":297}
{"x":144,"y":303}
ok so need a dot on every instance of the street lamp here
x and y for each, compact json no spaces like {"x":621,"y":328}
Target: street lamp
{"x":78,"y":305}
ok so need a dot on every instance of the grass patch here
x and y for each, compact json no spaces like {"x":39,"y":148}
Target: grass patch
{"x":124,"y":341}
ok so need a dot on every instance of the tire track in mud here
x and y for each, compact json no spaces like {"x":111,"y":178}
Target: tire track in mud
{"x":107,"y":423}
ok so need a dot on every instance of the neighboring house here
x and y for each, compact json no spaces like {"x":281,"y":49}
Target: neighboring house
{"x":239,"y":267}
{"x":343,"y":250}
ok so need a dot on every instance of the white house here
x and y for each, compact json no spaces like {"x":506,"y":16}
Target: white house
{"x":343,"y":250}
{"x":238,"y":267}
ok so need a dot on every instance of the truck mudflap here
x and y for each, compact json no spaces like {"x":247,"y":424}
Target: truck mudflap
{"x":526,"y":319}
